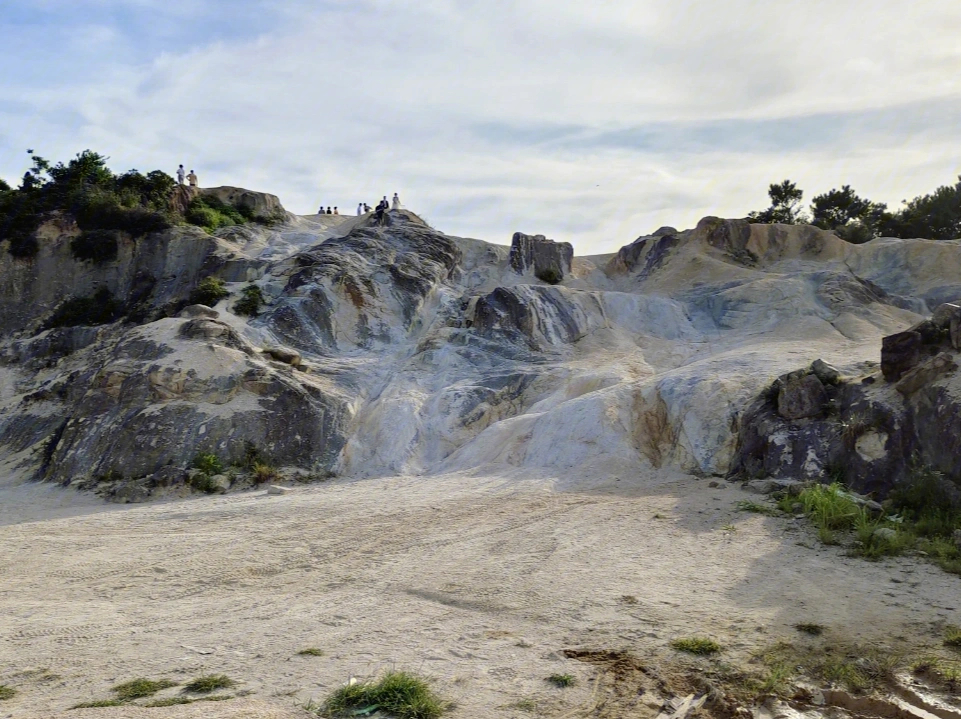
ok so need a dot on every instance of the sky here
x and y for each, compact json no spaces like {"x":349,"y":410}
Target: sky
{"x":592,"y":123}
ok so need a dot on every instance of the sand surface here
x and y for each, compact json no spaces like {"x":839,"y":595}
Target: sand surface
{"x":480,"y":582}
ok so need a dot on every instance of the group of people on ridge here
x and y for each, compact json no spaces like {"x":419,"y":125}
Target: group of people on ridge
{"x":363,"y":208}
{"x":191,"y":178}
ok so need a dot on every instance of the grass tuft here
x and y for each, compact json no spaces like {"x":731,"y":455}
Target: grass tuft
{"x":562,"y":680}
{"x":138,"y":688}
{"x":952,"y":637}
{"x":208,"y":683}
{"x":696,"y":645}
{"x":99,"y":703}
{"x":749,"y":505}
{"x":172,"y":701}
{"x":7,"y":692}
{"x":311,"y":652}
{"x":815,"y":630}
{"x":398,"y":694}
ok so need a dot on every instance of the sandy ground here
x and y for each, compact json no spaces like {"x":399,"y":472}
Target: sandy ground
{"x":480,"y":582}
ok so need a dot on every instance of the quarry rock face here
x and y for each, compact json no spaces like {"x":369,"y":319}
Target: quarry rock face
{"x":548,"y":260}
{"x":384,"y":346}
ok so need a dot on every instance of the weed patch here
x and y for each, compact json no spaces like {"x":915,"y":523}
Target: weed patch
{"x":696,"y":645}
{"x":311,"y":652}
{"x":7,"y":692}
{"x":562,"y":680}
{"x":99,"y":703}
{"x":209,"y":683}
{"x":815,"y":630}
{"x":952,"y":637}
{"x":138,"y":688}
{"x":748,"y":505}
{"x":250,"y":302}
{"x":399,"y":694}
{"x":264,"y":473}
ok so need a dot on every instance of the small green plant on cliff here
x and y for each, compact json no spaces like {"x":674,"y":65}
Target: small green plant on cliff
{"x":210,"y":213}
{"x":99,"y":703}
{"x":99,"y":309}
{"x":7,"y":692}
{"x":252,"y":299}
{"x":208,"y":463}
{"x":98,"y":246}
{"x":264,"y":473}
{"x":209,"y":291}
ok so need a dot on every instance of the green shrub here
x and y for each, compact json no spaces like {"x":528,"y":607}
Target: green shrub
{"x":696,"y":645}
{"x":264,"y":473}
{"x":398,"y":694}
{"x":211,"y":214}
{"x":138,"y":688}
{"x":99,"y":309}
{"x":208,"y":464}
{"x":7,"y":692}
{"x":209,"y":291}
{"x":251,"y":301}
{"x":311,"y":652}
{"x":97,"y":245}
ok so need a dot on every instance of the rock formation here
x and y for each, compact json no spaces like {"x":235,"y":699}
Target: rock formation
{"x":385,"y":346}
{"x":548,"y":260}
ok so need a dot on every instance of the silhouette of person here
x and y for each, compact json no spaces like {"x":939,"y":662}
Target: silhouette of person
{"x":367,"y":208}
{"x":192,"y":178}
{"x":335,"y":211}
{"x":328,"y":210}
{"x":180,"y":175}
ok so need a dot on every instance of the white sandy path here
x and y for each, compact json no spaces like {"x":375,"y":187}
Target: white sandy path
{"x":479,"y":582}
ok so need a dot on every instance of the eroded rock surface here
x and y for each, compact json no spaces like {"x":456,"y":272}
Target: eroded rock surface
{"x":385,"y":346}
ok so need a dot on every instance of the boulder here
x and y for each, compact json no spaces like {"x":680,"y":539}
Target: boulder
{"x":825,"y":372}
{"x":925,"y":373}
{"x":199,"y":311}
{"x":885,"y":534}
{"x":284,"y":354}
{"x":944,"y":314}
{"x":899,"y":353}
{"x":549,"y":261}
{"x":130,"y":493}
{"x":277,"y":489}
{"x":259,"y":204}
{"x":219,"y":483}
{"x":801,"y":397}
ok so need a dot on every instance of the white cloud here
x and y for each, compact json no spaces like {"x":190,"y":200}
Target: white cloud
{"x":592,"y":122}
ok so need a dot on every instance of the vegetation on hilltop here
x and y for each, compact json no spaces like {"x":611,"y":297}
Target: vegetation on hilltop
{"x":935,"y":216}
{"x":102,"y":203}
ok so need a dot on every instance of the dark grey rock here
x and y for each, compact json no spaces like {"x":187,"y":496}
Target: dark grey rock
{"x":284,"y":354}
{"x":899,"y":353}
{"x":548,"y":260}
{"x":825,"y":372}
{"x":801,"y":397}
{"x":925,"y":373}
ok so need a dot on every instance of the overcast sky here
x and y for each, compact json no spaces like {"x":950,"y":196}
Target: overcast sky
{"x":592,"y":122}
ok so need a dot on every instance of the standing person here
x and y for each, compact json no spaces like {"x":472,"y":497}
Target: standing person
{"x":328,"y":210}
{"x":192,"y":178}
{"x":335,"y":211}
{"x":367,"y":208}
{"x":180,"y":175}
{"x":396,"y":202}
{"x":360,"y":209}
{"x":321,"y":210}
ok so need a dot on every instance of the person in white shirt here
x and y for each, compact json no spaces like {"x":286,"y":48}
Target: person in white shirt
{"x":396,"y":202}
{"x":180,"y":175}
{"x":360,"y":209}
